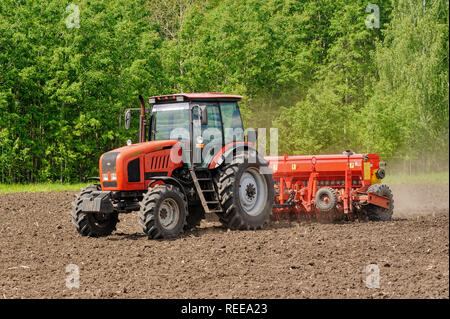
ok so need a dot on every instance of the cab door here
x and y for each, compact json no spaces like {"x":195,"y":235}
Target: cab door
{"x":207,"y":139}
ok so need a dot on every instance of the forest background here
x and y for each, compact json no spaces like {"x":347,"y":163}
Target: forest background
{"x":331,"y":75}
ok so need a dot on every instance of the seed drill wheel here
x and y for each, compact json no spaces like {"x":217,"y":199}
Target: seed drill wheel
{"x":326,"y":199}
{"x":163,"y":212}
{"x":377,"y":213}
{"x":246,"y":195}
{"x":92,"y":224}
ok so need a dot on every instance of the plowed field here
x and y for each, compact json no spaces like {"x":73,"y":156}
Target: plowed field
{"x":284,"y":260}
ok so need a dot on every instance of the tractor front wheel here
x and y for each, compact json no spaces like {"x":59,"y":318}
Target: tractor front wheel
{"x":163,"y":212}
{"x":92,"y":224}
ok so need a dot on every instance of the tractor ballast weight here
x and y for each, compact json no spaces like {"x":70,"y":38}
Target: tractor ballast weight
{"x":193,"y":159}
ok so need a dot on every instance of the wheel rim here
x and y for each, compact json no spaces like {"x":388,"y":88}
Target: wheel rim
{"x":324,"y":198}
{"x":252,"y":191}
{"x":169,"y":213}
{"x":101,"y":220}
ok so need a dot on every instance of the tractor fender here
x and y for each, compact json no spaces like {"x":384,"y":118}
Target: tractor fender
{"x":171,"y":181}
{"x":228,"y":151}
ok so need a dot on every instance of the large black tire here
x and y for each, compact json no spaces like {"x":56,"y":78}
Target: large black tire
{"x":92,"y":224}
{"x":326,"y":199}
{"x":194,"y":217}
{"x":163,"y":212}
{"x":377,"y":213}
{"x":236,"y":199}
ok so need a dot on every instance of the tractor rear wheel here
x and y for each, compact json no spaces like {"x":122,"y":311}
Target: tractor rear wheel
{"x":377,"y":213}
{"x":163,"y":212}
{"x":92,"y":224}
{"x":246,"y":195}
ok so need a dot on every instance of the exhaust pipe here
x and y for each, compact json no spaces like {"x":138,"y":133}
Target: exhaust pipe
{"x":142,"y":121}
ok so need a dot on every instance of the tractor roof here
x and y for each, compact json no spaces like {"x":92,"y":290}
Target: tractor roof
{"x":180,"y":97}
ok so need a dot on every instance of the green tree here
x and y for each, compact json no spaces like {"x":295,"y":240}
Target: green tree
{"x":408,"y":115}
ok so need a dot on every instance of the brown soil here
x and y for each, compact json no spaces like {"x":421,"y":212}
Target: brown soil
{"x":296,"y":260}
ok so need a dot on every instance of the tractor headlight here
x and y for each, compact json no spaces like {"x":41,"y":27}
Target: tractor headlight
{"x":113,"y":177}
{"x":104,"y":177}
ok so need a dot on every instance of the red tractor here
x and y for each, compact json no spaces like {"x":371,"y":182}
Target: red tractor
{"x":194,"y":158}
{"x":191,"y":159}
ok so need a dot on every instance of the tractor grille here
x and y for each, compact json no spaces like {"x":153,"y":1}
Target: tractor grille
{"x":109,"y":184}
{"x":109,"y":162}
{"x":159,"y":162}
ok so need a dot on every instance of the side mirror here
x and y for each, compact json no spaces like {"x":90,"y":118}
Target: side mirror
{"x":203,"y":115}
{"x":127,"y":119}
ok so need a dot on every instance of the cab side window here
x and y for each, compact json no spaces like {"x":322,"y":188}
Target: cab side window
{"x":232,"y":123}
{"x":213,"y":131}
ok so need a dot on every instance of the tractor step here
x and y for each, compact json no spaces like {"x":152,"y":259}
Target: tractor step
{"x":216,"y":211}
{"x":206,"y":193}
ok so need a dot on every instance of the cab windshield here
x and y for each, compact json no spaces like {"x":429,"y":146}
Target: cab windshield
{"x":170,"y":122}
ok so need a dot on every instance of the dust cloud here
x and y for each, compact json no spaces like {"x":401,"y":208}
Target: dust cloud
{"x":420,"y":199}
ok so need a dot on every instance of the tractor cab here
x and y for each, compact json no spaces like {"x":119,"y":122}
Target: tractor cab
{"x":203,"y":123}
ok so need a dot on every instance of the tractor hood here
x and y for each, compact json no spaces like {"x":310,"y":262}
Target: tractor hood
{"x":145,"y":147}
{"x":125,"y":168}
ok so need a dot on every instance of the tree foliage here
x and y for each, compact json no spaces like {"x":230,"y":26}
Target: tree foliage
{"x":311,"y":68}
